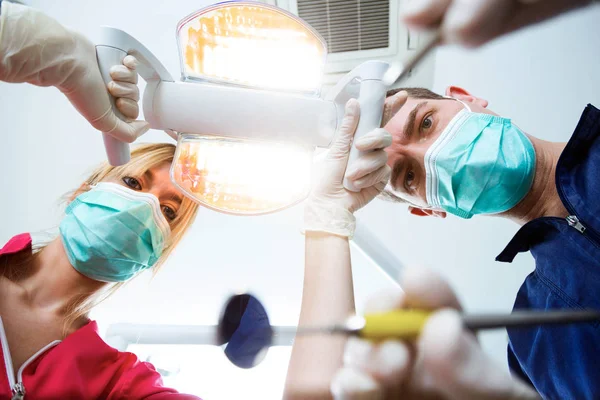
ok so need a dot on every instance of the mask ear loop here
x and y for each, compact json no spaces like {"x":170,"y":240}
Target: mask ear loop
{"x":390,"y":189}
{"x":460,"y":101}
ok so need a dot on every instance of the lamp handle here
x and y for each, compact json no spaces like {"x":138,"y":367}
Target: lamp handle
{"x":118,"y":152}
{"x":112,"y":45}
{"x":371,"y":100}
{"x":371,"y":97}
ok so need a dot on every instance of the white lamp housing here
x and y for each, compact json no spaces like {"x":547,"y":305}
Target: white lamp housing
{"x":247,"y":114}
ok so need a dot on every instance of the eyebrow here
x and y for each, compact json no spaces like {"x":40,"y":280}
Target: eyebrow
{"x":409,"y":126}
{"x":176,"y":197}
{"x":396,"y":172}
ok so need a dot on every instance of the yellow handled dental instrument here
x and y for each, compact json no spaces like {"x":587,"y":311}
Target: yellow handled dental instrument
{"x":408,"y":324}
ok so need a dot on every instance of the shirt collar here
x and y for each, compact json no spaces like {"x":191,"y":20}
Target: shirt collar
{"x":17,"y":244}
{"x":587,"y":131}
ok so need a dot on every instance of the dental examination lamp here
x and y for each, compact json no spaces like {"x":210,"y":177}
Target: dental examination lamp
{"x":247,"y":114}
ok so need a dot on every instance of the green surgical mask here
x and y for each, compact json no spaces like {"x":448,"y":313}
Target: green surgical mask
{"x":111,"y":232}
{"x":480,"y":164}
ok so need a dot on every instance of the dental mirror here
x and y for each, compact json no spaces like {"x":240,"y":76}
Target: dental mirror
{"x":245,"y":331}
{"x":247,"y":334}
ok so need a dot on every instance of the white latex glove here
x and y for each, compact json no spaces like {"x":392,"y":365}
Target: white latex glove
{"x":330,"y":206}
{"x":446,"y":361}
{"x":474,"y":22}
{"x":36,"y":49}
{"x":124,"y":87}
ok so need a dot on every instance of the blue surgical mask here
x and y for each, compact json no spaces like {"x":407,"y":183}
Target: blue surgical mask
{"x":480,"y":164}
{"x":111,"y":233}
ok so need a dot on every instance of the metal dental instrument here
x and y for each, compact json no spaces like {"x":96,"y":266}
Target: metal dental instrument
{"x":398,"y":71}
{"x":408,"y":324}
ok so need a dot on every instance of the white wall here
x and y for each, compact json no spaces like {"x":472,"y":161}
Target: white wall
{"x":542,"y":78}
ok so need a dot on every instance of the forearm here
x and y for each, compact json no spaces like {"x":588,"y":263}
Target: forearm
{"x":34,"y":48}
{"x":328,"y":294}
{"x":328,"y":297}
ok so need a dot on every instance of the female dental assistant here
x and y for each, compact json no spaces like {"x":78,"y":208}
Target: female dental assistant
{"x":120,"y":221}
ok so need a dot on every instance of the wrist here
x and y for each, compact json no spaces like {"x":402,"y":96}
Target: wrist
{"x":328,"y":217}
{"x":321,"y":235}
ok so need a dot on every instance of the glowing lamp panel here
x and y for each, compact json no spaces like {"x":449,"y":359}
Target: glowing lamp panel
{"x":253,"y":46}
{"x":241,"y":177}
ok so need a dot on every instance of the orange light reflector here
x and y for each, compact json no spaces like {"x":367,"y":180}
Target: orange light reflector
{"x":253,"y":45}
{"x":242,"y":177}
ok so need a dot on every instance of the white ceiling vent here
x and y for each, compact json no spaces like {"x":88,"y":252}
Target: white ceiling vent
{"x":349,"y":25}
{"x":361,"y":30}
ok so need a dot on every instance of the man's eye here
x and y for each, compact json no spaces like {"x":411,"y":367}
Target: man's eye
{"x":169,"y":213}
{"x":409,"y":179}
{"x":132,"y":183}
{"x":427,"y":123}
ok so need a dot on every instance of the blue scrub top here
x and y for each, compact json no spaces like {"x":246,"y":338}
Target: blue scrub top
{"x":563,"y":362}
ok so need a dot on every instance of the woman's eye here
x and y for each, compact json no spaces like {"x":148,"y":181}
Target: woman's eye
{"x":169,"y":213}
{"x":427,"y":122}
{"x":410,"y":177}
{"x":132,"y":183}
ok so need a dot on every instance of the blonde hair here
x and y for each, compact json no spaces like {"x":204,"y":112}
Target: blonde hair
{"x":143,"y":158}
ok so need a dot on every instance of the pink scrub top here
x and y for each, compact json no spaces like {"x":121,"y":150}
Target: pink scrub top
{"x":82,"y":366}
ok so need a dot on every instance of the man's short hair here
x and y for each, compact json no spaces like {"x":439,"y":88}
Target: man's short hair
{"x":415,"y":93}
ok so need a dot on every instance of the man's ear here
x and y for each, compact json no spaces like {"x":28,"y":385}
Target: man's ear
{"x":461,"y":94}
{"x":421,"y":212}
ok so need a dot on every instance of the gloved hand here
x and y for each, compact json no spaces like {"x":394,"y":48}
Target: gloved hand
{"x":36,"y":49}
{"x":445,"y":362}
{"x":474,"y":22}
{"x":124,"y":87}
{"x":330,"y":206}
